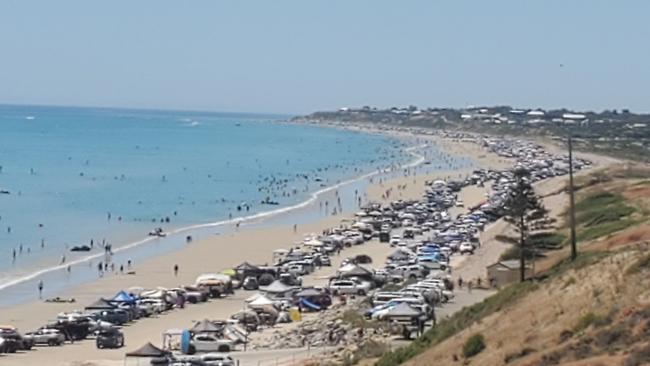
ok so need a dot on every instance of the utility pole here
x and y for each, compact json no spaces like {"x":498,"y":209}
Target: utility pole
{"x":572,"y":207}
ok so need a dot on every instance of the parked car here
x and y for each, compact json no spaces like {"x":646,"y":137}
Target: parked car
{"x":115,"y":316}
{"x":210,"y":343}
{"x":14,"y":341}
{"x":156,"y":306}
{"x":111,"y":338}
{"x":217,"y":359}
{"x":325,"y":261}
{"x":195,"y":294}
{"x":250,"y":283}
{"x":349,"y":287}
{"x":466,"y":248}
{"x":51,"y":337}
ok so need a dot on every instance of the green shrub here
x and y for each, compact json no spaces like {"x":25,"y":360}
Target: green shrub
{"x":590,"y":319}
{"x":473,"y":345}
{"x":601,"y":214}
{"x":547,"y":240}
{"x":513,"y":253}
{"x":602,"y":230}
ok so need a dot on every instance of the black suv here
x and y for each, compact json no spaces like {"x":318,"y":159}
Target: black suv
{"x":112,"y":338}
{"x":14,"y":341}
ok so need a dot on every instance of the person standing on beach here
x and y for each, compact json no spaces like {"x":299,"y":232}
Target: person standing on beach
{"x":40,"y":289}
{"x":175,"y":270}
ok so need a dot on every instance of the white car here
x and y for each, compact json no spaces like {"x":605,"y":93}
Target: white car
{"x":217,"y":359}
{"x":152,"y":306}
{"x":466,"y":248}
{"x":395,"y":239}
{"x":209,"y":343}
{"x":349,"y":287}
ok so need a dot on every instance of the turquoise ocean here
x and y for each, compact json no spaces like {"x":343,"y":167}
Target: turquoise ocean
{"x":71,"y":175}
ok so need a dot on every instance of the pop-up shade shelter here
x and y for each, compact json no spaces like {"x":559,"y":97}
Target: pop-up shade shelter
{"x":100,"y":304}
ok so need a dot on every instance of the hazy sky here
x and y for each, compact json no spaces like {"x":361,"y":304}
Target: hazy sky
{"x":300,"y":56}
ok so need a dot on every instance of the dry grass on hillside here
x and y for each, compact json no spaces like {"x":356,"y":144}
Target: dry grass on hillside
{"x":595,"y":315}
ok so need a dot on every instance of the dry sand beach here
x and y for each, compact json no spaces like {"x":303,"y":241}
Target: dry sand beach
{"x":254,"y":245}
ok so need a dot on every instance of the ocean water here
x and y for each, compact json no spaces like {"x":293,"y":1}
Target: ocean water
{"x":72,"y":175}
{"x":110,"y":175}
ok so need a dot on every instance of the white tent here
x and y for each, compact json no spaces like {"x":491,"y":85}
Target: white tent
{"x":276,"y":288}
{"x":260,"y":301}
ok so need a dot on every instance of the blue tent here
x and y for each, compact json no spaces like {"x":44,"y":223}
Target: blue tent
{"x":123,"y":297}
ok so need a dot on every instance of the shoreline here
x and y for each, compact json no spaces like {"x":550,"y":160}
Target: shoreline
{"x":252,"y":220}
{"x":207,"y":255}
{"x":253,"y":244}
{"x":22,"y":285}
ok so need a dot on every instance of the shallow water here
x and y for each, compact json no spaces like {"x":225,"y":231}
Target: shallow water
{"x":67,"y":168}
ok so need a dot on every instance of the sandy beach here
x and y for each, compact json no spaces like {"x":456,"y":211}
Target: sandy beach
{"x":253,"y":245}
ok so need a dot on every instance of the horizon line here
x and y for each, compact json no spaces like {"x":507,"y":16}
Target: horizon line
{"x":152,"y":109}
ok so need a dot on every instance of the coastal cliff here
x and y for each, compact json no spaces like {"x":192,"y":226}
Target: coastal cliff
{"x":594,"y":311}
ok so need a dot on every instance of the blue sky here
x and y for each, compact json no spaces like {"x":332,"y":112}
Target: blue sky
{"x":300,"y":56}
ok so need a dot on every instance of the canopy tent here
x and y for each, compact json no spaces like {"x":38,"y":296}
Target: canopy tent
{"x":277,"y":287}
{"x":246,"y":267}
{"x":148,"y":350}
{"x":261,"y":301}
{"x":123,"y":297}
{"x":205,"y":326}
{"x":100,"y":304}
{"x":354,"y":271}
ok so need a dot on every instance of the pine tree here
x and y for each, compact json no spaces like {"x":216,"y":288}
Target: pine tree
{"x":522,"y":207}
